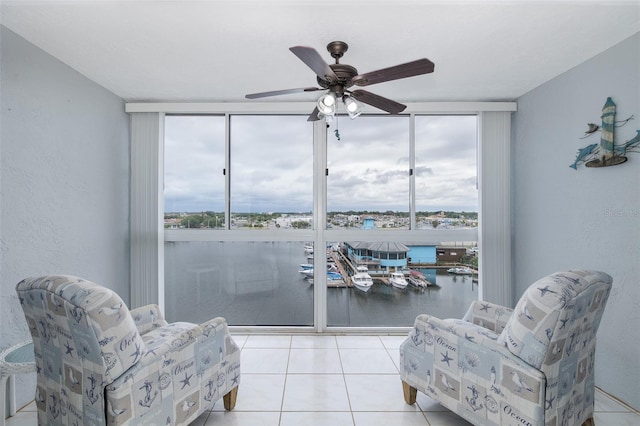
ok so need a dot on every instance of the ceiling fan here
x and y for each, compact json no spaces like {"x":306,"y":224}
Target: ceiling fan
{"x":338,"y":78}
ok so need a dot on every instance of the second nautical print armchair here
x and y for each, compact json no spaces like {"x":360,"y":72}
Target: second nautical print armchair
{"x":100,"y":364}
{"x":532,"y":365}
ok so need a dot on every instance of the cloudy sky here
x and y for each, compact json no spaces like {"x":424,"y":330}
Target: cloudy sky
{"x":271,"y":166}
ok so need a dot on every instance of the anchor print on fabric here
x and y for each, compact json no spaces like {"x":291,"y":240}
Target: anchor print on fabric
{"x":148,"y":399}
{"x":473,"y":401}
{"x":212,"y":391}
{"x":92,"y":393}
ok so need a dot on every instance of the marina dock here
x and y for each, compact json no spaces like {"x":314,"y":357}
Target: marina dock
{"x":339,"y":259}
{"x":346,"y":268}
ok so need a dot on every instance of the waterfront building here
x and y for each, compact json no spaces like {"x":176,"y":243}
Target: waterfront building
{"x":386,"y":255}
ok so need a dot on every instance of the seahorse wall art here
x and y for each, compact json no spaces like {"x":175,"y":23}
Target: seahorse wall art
{"x":607,"y":153}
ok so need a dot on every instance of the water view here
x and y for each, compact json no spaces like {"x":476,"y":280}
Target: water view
{"x":259,"y":284}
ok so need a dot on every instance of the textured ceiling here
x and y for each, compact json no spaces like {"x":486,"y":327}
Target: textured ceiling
{"x":218,"y":51}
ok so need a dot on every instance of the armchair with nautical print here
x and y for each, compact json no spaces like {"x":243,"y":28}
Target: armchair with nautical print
{"x":99,"y":363}
{"x":533,"y":365}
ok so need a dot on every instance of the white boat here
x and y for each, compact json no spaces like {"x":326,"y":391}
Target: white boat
{"x":306,"y":272}
{"x":307,"y":268}
{"x":418,"y":280}
{"x":460,"y":271}
{"x":398,"y":281}
{"x":362,"y":280}
{"x":362,"y":268}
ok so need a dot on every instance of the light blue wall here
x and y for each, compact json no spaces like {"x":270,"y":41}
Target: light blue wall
{"x":589,"y":218}
{"x":64,"y":181}
{"x":422,"y":254}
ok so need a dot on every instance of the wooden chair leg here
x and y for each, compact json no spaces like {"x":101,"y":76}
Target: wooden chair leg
{"x":410,"y":393}
{"x":589,"y":422}
{"x":230,"y":399}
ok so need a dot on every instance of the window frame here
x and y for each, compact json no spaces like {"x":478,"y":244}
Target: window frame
{"x":147,"y":211}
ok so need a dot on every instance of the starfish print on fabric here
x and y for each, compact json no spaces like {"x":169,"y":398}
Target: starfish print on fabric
{"x":69,"y":349}
{"x":544,"y":290}
{"x":186,"y":381}
{"x":548,"y":403}
{"x":446,"y":358}
{"x":137,"y":352}
{"x":484,"y":307}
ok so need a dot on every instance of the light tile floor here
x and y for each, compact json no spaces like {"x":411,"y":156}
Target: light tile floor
{"x":334,"y":381}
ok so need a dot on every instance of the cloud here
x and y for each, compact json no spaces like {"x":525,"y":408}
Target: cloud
{"x":271,"y":165}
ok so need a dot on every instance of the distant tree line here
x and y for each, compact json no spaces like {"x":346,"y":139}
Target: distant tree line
{"x":447,"y":214}
{"x":210,"y":219}
{"x":198,"y":220}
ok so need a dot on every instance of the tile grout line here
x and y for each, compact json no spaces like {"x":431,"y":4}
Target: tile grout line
{"x":344,"y":380}
{"x":286,"y":379}
{"x":618,"y":401}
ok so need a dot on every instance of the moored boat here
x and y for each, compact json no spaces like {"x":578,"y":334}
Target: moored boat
{"x":418,"y":280}
{"x":361,"y":279}
{"x":397,"y":280}
{"x":334,"y":279}
{"x":460,"y":271}
{"x":306,"y":272}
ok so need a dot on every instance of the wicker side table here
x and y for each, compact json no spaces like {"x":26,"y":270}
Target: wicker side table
{"x":14,"y":360}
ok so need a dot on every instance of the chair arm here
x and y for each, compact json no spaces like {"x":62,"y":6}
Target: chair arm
{"x":161,"y":341}
{"x":197,"y":364}
{"x":427,"y":325}
{"x":488,"y":315}
{"x":147,"y":318}
{"x":472,"y":334}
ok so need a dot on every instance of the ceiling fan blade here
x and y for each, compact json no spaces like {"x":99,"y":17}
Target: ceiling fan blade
{"x":385,"y":104}
{"x":281,"y":92}
{"x":410,"y":69}
{"x":314,"y":115}
{"x":312,"y":58}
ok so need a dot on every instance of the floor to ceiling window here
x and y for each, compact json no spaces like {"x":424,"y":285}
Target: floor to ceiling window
{"x":241,"y":218}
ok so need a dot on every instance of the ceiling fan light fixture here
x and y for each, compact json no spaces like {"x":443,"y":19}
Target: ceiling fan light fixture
{"x":353,"y":107}
{"x":327,"y":104}
{"x":327,"y":118}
